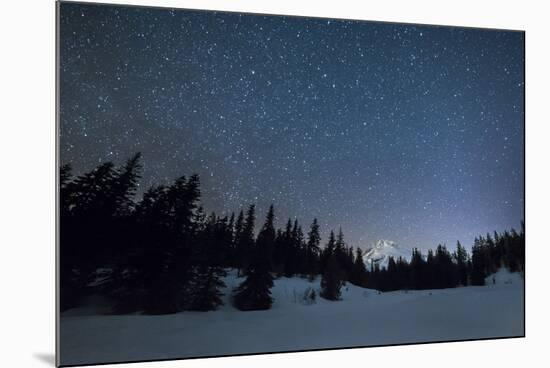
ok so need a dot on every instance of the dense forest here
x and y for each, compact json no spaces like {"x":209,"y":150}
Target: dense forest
{"x":163,"y":254}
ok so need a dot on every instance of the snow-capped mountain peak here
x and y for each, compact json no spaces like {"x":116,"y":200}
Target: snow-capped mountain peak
{"x":380,"y":252}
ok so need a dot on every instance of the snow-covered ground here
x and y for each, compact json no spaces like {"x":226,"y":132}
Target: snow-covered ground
{"x":364,"y":317}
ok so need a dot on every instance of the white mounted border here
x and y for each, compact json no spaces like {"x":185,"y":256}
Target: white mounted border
{"x":27,"y":210}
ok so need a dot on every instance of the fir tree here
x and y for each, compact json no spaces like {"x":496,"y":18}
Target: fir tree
{"x":206,"y":294}
{"x":279,"y":255}
{"x":339,"y":249}
{"x":300,"y":247}
{"x":254,"y":293}
{"x":208,"y":279}
{"x":246,"y":240}
{"x":359,"y":272}
{"x":332,"y":279}
{"x":461,"y":258}
{"x":237,"y":242}
{"x":266,"y":236}
{"x":312,"y":250}
{"x":125,"y":186}
{"x":230,"y":240}
{"x":478,"y":264}
{"x":417,"y":269}
{"x":328,"y":251}
{"x":430,"y":282}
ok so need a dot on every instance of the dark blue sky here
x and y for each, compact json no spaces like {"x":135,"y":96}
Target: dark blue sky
{"x":403,"y":132}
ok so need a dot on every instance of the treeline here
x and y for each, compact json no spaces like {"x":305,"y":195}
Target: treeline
{"x":443,"y":269}
{"x":163,"y":254}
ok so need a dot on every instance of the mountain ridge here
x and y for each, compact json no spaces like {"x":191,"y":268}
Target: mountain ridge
{"x":380,"y":253}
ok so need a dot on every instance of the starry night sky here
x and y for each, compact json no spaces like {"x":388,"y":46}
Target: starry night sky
{"x":402,"y":132}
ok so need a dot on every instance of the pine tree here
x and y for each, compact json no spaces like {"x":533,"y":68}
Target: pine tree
{"x":417,"y":270}
{"x":297,"y":249}
{"x":254,"y":293}
{"x":312,"y":250}
{"x":167,"y":236}
{"x":237,"y":242}
{"x":206,"y":294}
{"x":239,"y":225}
{"x":301,"y":249}
{"x":87,"y":205}
{"x":403,"y":272}
{"x":246,"y":240}
{"x":279,"y":255}
{"x":391,"y":279}
{"x":122,"y":224}
{"x":332,"y":279}
{"x":359,"y":273}
{"x":478,"y":264}
{"x":430,"y":271}
{"x":340,"y":246}
{"x":445,"y":268}
{"x":125,"y":186}
{"x":208,"y":279}
{"x":230,"y":240}
{"x":490,"y":251}
{"x":266,"y":236}
{"x":328,"y":251}
{"x":289,"y":254}
{"x":461,"y":258}
{"x":341,"y":252}
{"x":294,"y":239}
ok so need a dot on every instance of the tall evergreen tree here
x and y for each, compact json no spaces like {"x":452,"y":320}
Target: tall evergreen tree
{"x":90,"y":230}
{"x":299,"y":249}
{"x":417,"y":269}
{"x":168,"y":235}
{"x":279,"y":255}
{"x":125,"y":186}
{"x":328,"y":251}
{"x":230,"y":240}
{"x":207,"y":282}
{"x":332,"y":279}
{"x":266,"y":236}
{"x":246,"y":240}
{"x":340,"y":246}
{"x":461,"y":258}
{"x":478,"y":264}
{"x":207,"y":285}
{"x":254,"y":293}
{"x":312,"y":250}
{"x":359,"y":272}
{"x":237,"y":242}
{"x":294,"y":263}
{"x":431,"y":278}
